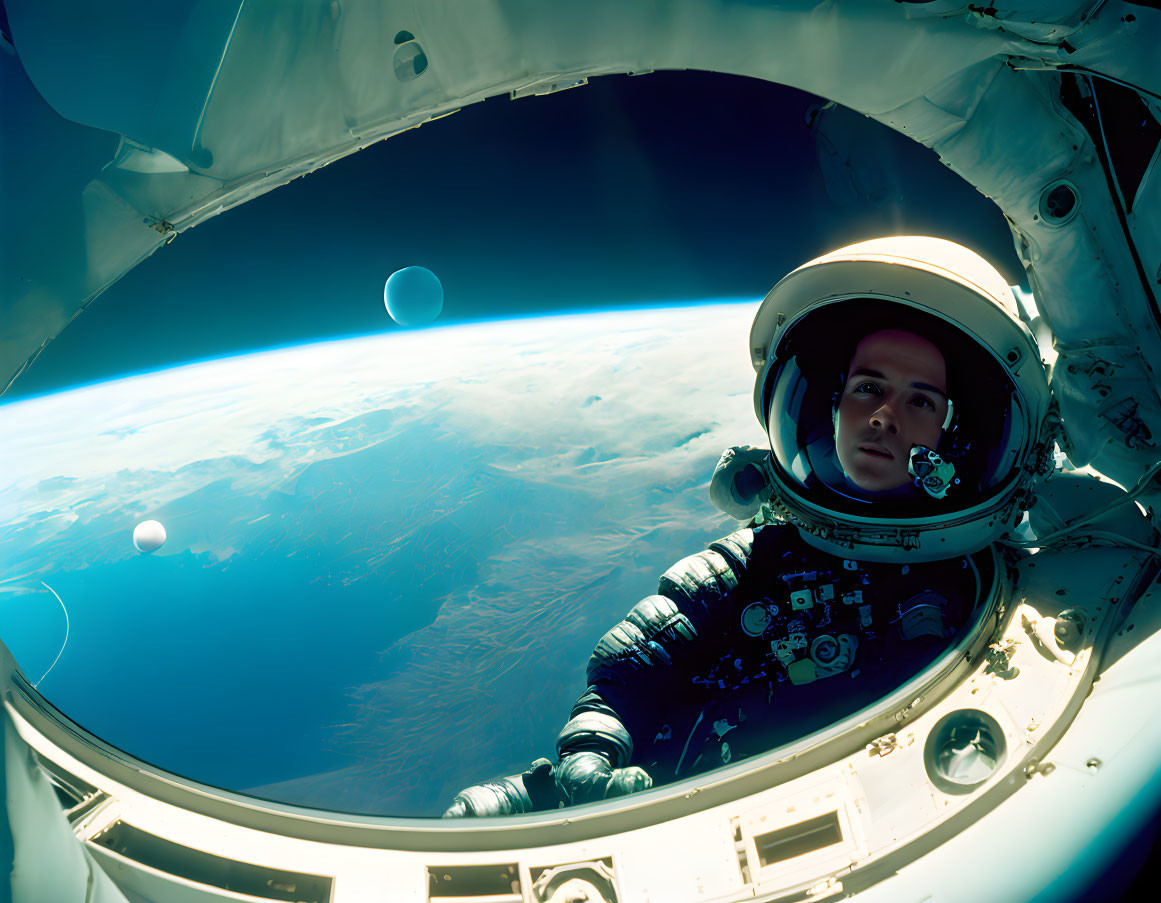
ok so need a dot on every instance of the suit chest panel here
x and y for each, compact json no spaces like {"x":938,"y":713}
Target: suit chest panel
{"x":802,"y":615}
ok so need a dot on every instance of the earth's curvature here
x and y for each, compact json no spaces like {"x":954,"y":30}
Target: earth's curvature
{"x":388,"y":558}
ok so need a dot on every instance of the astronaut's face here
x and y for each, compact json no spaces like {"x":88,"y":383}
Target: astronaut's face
{"x":895,"y":397}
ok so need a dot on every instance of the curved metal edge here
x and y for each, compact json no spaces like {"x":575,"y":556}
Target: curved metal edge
{"x":542,"y":829}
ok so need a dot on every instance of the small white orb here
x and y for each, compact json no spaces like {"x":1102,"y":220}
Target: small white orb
{"x":148,"y":536}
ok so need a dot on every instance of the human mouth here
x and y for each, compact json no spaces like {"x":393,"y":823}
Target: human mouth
{"x":876,"y":451}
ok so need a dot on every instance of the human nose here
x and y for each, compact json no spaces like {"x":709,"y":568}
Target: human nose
{"x":884,"y":419}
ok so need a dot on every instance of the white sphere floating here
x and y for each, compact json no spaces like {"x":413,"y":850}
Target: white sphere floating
{"x":413,"y":296}
{"x":149,"y":536}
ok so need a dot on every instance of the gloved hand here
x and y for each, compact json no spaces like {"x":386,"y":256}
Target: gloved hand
{"x":740,"y":483}
{"x":587,"y":777}
{"x":531,"y":791}
{"x":624,"y":781}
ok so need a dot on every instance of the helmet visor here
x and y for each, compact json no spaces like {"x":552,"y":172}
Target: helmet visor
{"x":877,"y":409}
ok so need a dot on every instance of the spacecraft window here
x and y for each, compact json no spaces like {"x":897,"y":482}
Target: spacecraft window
{"x":378,"y":564}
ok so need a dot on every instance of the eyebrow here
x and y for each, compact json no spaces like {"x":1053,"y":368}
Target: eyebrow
{"x":927,"y":387}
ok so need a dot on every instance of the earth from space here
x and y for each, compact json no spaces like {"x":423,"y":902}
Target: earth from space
{"x":388,"y":558}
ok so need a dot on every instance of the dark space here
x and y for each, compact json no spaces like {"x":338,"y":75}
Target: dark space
{"x":626,"y":192}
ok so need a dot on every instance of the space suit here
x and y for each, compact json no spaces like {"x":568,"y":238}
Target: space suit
{"x":909,"y":420}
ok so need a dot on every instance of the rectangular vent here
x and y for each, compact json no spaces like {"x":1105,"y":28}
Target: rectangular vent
{"x":216,"y":871}
{"x":70,"y":789}
{"x":496,"y":882}
{"x":68,"y":799}
{"x":798,"y":840}
{"x":80,"y":811}
{"x":740,"y":849}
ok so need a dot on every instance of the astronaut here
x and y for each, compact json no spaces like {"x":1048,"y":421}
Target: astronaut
{"x":909,"y":420}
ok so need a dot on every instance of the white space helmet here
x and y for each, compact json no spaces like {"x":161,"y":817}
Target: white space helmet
{"x":908,"y":411}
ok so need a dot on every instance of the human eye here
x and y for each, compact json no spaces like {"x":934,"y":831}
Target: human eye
{"x":922,"y":401}
{"x":868,"y":389}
